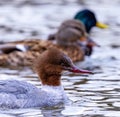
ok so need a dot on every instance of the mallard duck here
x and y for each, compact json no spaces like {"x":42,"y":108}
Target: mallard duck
{"x":21,"y":53}
{"x":88,"y":18}
{"x":73,"y":32}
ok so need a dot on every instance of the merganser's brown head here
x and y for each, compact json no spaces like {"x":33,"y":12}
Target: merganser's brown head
{"x":51,"y":63}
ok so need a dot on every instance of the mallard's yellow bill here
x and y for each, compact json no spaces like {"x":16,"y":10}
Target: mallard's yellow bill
{"x":101,"y":25}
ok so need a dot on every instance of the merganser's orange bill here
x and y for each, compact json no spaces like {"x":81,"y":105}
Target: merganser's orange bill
{"x":74,"y":69}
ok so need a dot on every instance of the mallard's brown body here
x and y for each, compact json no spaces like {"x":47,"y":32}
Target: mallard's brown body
{"x":34,"y":48}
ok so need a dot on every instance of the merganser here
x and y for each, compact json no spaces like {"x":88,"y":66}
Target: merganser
{"x":88,"y":18}
{"x":49,"y":65}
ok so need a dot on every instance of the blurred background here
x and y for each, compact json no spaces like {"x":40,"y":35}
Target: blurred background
{"x":26,"y":19}
{"x":21,"y":19}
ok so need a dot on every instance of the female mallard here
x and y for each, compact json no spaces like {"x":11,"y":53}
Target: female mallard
{"x":89,"y":19}
{"x":22,"y":53}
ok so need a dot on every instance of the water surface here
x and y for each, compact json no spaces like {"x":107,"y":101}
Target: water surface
{"x":93,"y":96}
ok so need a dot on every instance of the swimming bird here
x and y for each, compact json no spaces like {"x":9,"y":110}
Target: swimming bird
{"x":88,"y":18}
{"x":48,"y":66}
{"x":21,"y":53}
{"x":71,"y":38}
{"x":73,"y":32}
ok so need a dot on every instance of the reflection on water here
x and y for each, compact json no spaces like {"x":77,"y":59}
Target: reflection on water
{"x":93,"y":96}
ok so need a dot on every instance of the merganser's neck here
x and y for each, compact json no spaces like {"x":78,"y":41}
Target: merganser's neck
{"x":51,"y":79}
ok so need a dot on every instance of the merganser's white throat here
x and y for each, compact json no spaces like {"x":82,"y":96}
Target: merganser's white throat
{"x":55,"y":94}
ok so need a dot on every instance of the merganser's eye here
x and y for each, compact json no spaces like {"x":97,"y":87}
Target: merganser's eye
{"x":62,"y":64}
{"x":66,"y":62}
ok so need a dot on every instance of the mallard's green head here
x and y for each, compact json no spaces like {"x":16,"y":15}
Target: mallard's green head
{"x":89,"y":19}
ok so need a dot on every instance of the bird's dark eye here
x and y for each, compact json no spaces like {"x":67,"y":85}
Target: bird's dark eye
{"x":62,"y":63}
{"x":66,"y":62}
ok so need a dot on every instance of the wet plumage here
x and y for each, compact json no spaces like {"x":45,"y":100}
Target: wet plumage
{"x":20,"y":94}
{"x":34,"y":48}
